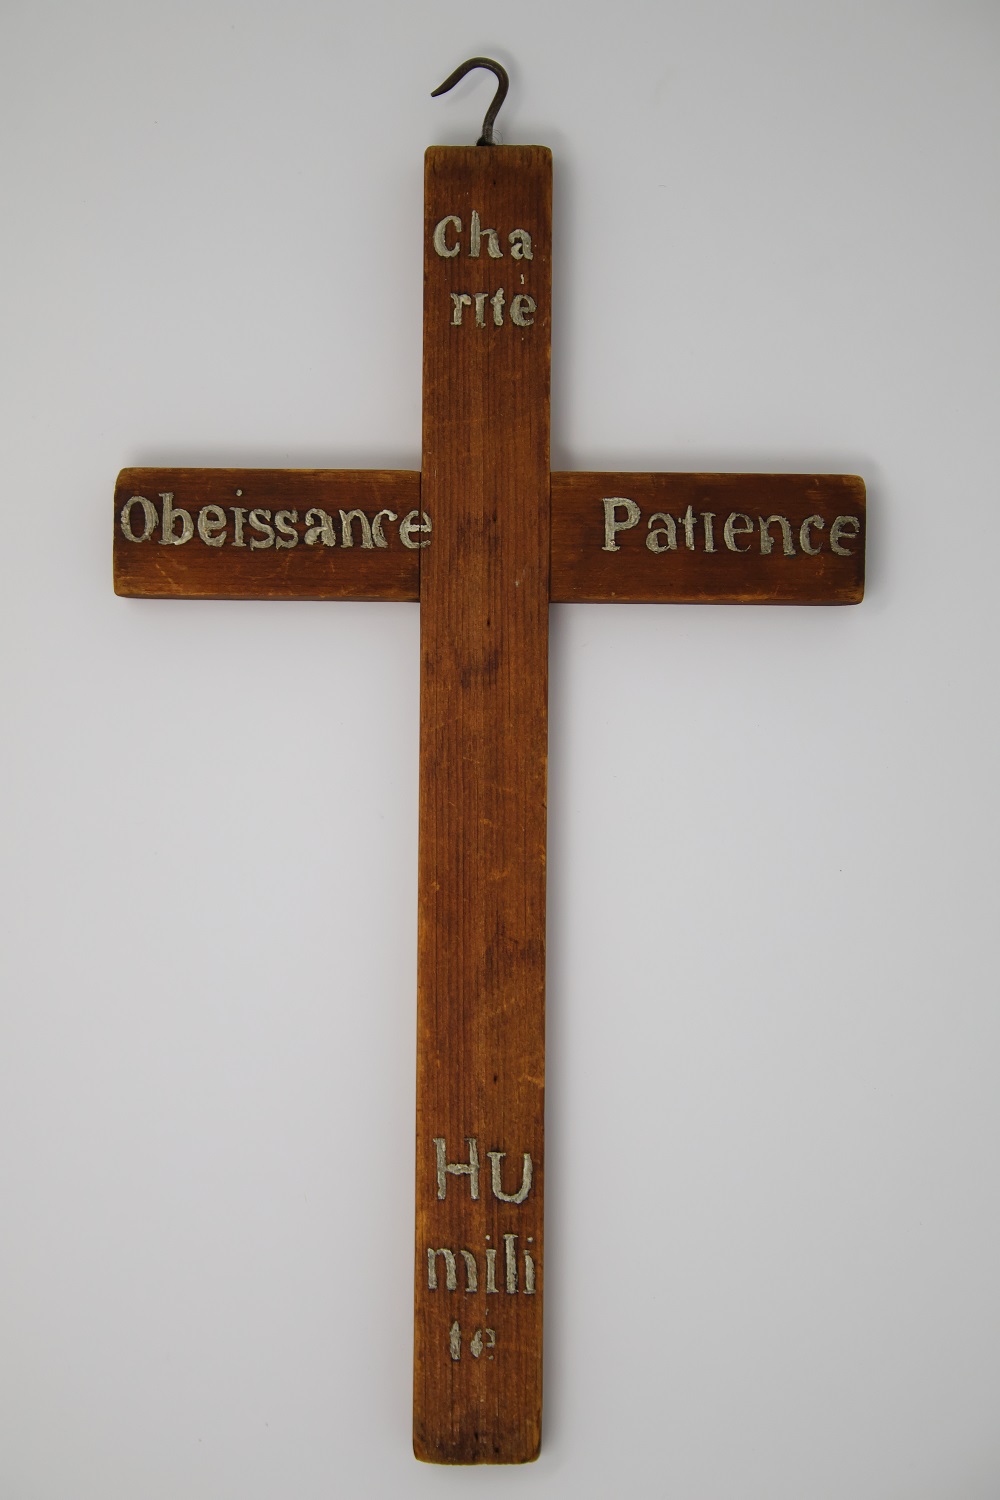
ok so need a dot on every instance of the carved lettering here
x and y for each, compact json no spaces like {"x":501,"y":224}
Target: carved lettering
{"x":440,"y":230}
{"x":347,"y":520}
{"x":450,"y":1270}
{"x":522,"y":310}
{"x":520,"y":244}
{"x":471,"y":1271}
{"x":767,"y":541}
{"x":739,"y":531}
{"x":483,"y":1338}
{"x":409,"y":526}
{"x":519,"y":1264}
{"x":844,"y":526}
{"x":510,"y":1262}
{"x":378,"y":535}
{"x":260,"y":529}
{"x":284,"y":525}
{"x":477,"y":1344}
{"x":496,"y":1157}
{"x":260,"y":521}
{"x":239,"y":518}
{"x":444,"y":1168}
{"x":667,"y":529}
{"x":805,"y":539}
{"x":321,"y":528}
{"x":459,"y":300}
{"x":612,"y":525}
{"x":212,"y":525}
{"x":450,"y":1278}
{"x":149,"y":518}
{"x":477,"y":233}
{"x":446,"y":239}
{"x":441,"y":1257}
{"x":171,"y":516}
{"x":736,"y":525}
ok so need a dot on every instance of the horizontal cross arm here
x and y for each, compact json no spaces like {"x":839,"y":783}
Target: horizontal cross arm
{"x":615,"y":537}
{"x":708,"y":538}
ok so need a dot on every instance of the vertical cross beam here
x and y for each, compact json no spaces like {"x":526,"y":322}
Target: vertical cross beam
{"x":484,"y":594}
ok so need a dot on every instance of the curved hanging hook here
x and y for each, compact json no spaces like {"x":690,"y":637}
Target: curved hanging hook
{"x":503,"y":84}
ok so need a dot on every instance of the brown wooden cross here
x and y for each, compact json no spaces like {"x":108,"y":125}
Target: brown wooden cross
{"x":485,"y":538}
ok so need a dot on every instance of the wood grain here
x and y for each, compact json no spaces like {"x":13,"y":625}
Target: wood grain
{"x":581,"y":570}
{"x":196,"y":570}
{"x":483,"y":731}
{"x":740,"y":572}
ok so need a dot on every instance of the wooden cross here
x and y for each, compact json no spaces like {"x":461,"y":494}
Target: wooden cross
{"x":485,"y":538}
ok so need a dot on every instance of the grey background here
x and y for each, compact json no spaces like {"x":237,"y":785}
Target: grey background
{"x":773,"y":1219}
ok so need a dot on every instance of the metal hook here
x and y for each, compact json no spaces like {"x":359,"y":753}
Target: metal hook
{"x":503,"y":84}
